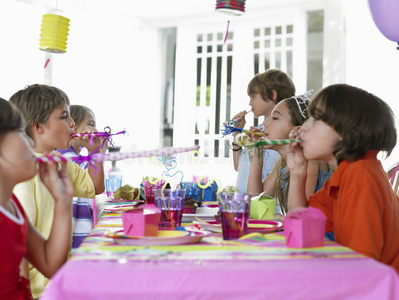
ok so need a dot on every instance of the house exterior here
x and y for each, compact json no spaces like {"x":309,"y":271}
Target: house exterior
{"x":167,"y":75}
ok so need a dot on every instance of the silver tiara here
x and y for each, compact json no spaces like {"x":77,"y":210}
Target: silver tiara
{"x":301,"y":100}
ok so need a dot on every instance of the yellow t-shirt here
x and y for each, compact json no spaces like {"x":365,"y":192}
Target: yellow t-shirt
{"x":38,"y":204}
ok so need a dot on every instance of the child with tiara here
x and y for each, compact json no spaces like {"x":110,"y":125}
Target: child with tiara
{"x":49,"y":124}
{"x":347,"y":128}
{"x":288,"y":114}
{"x":18,"y":237}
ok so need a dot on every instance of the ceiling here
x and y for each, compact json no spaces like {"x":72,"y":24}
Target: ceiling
{"x":150,"y":9}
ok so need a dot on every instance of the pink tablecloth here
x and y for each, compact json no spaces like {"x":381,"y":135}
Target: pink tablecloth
{"x":290,"y":279}
{"x":253,"y":269}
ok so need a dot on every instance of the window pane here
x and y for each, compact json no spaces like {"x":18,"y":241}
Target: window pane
{"x":218,"y":94}
{"x":267,"y":60}
{"x":289,"y":63}
{"x":216,"y":148}
{"x":278,"y":60}
{"x":256,"y":63}
{"x":315,"y":49}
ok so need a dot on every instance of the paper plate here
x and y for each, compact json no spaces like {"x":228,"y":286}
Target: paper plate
{"x":116,"y":200}
{"x":204,"y":213}
{"x":119,"y":208}
{"x":191,"y":217}
{"x":164,"y":238}
{"x":264,"y":226}
{"x":261,"y":226}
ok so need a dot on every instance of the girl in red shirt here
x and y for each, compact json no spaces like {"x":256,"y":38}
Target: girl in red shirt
{"x":347,"y":127}
{"x":18,"y":238}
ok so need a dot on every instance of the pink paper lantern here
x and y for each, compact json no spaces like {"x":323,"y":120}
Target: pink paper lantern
{"x":385,"y":14}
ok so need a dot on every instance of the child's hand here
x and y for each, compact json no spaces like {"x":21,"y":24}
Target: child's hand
{"x":56,"y":180}
{"x":296,"y":161}
{"x":241,"y":116}
{"x":92,"y":144}
{"x":255,"y":136}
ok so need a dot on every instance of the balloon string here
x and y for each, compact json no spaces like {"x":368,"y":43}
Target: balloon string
{"x":227,"y":32}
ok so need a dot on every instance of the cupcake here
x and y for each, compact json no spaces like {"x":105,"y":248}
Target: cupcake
{"x":190,"y":205}
{"x":230,"y":189}
{"x":126,"y":192}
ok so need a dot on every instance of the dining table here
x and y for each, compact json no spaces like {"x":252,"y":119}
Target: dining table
{"x":260,"y":266}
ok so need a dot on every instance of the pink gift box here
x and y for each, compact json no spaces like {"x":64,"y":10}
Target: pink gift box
{"x":141,"y":221}
{"x":305,"y":227}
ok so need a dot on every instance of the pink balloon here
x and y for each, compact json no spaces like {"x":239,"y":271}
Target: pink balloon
{"x":385,"y":14}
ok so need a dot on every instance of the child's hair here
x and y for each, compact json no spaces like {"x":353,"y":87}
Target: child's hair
{"x":10,"y":118}
{"x":363,"y":120}
{"x":36,"y":102}
{"x":78,"y":113}
{"x":297,"y":107}
{"x":273,"y":79}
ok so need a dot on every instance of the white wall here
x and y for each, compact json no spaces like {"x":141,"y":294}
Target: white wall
{"x":112,"y":65}
{"x":21,"y":61}
{"x":371,"y":60}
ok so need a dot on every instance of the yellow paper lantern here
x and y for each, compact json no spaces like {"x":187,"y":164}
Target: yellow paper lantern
{"x":54,"y":33}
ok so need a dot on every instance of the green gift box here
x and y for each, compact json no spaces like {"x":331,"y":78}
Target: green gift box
{"x":262,"y":207}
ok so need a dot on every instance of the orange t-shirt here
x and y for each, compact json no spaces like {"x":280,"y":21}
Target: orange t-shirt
{"x":362,"y":209}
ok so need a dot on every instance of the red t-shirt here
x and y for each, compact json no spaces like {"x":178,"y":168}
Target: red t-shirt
{"x":362,"y":209}
{"x":13,"y":231}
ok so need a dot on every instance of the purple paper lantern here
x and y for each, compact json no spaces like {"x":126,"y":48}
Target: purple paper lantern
{"x":385,"y":14}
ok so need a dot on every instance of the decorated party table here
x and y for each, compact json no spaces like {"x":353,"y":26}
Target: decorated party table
{"x":205,"y":266}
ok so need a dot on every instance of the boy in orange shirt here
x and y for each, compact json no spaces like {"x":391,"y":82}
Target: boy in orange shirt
{"x":346,"y":129}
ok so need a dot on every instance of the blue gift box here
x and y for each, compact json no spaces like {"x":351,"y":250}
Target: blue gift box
{"x":210,"y":192}
{"x":193,"y":190}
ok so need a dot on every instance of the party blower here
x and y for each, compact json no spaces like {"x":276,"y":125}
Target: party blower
{"x":230,"y":129}
{"x":115,"y":156}
{"x":232,"y":126}
{"x":106,"y":135}
{"x":244,"y":141}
